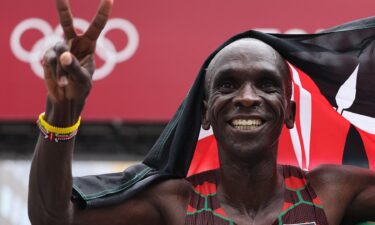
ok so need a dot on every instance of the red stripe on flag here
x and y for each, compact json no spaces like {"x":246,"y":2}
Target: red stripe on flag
{"x":205,"y":156}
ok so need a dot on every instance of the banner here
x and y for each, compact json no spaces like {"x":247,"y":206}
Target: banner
{"x":150,"y":52}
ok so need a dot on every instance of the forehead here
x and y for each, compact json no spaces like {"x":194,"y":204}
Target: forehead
{"x":246,"y":56}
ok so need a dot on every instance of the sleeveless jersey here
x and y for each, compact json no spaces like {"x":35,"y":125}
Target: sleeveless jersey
{"x":301,"y":204}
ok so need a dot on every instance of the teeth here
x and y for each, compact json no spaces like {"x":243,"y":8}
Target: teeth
{"x":243,"y":124}
{"x":246,"y":122}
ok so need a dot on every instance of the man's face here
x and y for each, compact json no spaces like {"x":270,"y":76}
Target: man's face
{"x":247,"y":97}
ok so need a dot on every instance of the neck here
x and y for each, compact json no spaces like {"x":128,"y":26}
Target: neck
{"x":250,"y":185}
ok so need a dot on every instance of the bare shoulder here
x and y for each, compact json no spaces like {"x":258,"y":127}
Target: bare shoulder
{"x":162,"y":203}
{"x":180,"y":187}
{"x":160,"y":193}
{"x":168,"y":194}
{"x":339,"y":180}
{"x":342,"y":189}
{"x":326,"y":176}
{"x":171,"y":197}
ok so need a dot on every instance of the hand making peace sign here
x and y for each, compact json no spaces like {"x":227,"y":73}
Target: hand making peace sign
{"x":69,"y":66}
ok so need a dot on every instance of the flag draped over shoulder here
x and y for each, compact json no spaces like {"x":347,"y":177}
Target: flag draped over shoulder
{"x":333,"y":85}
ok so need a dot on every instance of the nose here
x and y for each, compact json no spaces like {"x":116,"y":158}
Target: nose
{"x":247,"y":97}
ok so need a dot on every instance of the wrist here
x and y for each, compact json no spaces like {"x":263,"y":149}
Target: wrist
{"x":63,"y":114}
{"x":54,"y":133}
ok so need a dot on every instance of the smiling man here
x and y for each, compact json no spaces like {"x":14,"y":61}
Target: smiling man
{"x":247,"y":102}
{"x":248,"y":90}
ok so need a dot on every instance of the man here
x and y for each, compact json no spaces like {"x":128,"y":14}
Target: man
{"x":248,"y":90}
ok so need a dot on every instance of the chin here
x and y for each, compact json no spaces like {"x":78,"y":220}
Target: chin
{"x":248,"y":151}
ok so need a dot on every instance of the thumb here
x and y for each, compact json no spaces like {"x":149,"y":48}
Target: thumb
{"x":71,"y":65}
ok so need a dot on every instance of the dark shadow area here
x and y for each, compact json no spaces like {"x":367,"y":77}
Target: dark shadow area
{"x":95,"y":140}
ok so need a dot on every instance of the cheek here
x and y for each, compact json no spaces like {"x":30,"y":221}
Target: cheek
{"x":217,"y":106}
{"x":278,"y":107}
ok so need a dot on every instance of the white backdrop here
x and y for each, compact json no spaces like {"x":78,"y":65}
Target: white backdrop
{"x":14,"y":178}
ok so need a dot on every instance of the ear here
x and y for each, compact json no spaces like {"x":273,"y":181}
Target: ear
{"x":291,"y":115}
{"x":205,"y":122}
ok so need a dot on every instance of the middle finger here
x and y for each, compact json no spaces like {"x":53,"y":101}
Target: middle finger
{"x":99,"y":20}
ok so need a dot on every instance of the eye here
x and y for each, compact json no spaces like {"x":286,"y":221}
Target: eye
{"x":269,"y":85}
{"x":227,"y":85}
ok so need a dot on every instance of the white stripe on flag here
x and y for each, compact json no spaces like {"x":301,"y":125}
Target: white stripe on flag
{"x":305,"y":107}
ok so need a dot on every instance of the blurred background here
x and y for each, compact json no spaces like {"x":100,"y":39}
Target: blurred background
{"x":147,"y":58}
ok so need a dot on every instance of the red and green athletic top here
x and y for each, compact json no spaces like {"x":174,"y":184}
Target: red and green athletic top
{"x":301,"y":204}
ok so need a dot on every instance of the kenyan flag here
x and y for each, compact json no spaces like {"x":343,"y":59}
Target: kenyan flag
{"x":334,"y":88}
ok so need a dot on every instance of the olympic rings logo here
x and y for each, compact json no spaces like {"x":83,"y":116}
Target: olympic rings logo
{"x":105,"y":48}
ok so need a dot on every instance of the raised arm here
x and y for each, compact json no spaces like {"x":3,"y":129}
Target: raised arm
{"x":68,"y":68}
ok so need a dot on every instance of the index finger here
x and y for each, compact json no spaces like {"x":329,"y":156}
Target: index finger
{"x":66,"y":18}
{"x":99,"y":20}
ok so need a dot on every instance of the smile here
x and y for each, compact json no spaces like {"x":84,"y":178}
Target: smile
{"x":246,"y":124}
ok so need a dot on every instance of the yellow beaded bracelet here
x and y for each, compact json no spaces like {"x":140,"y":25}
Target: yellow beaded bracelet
{"x":58,"y":130}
